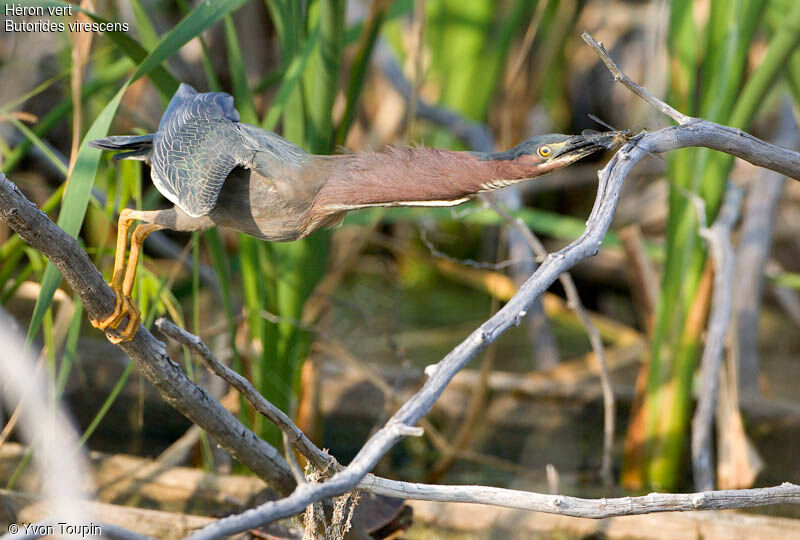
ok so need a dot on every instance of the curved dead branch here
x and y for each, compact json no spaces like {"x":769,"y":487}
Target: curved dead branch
{"x":693,"y":133}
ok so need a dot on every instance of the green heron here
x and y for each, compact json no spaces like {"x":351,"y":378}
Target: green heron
{"x":217,"y":170}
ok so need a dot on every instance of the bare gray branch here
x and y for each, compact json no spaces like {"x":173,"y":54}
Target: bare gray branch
{"x":718,"y":237}
{"x":147,"y":352}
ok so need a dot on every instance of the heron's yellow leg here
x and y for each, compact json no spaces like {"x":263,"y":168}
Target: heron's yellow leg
{"x":134,"y":315}
{"x":123,"y":226}
{"x":123,"y":277}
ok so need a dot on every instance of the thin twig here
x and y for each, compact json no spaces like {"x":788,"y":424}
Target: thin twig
{"x":320,"y":459}
{"x":621,"y":77}
{"x":574,"y":303}
{"x":418,"y":31}
{"x":718,"y":237}
{"x":752,"y":254}
{"x":786,"y":493}
{"x":291,"y":458}
{"x":644,"y":281}
{"x":480,"y":265}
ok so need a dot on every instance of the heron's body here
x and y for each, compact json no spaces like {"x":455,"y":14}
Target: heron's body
{"x":219,"y":171}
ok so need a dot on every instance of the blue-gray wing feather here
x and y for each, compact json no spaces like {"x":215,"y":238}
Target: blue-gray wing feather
{"x":197,"y":145}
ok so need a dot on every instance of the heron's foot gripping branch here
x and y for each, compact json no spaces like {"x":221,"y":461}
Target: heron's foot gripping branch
{"x":123,"y":307}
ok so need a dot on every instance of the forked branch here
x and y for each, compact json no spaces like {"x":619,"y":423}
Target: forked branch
{"x":692,"y":132}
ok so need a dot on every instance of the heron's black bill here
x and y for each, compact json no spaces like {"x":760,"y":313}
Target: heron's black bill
{"x":592,"y":141}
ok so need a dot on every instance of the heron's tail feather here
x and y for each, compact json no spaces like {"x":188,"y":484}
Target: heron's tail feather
{"x":137,"y":146}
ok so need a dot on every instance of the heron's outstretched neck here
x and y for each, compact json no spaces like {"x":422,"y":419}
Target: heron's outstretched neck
{"x":411,"y":177}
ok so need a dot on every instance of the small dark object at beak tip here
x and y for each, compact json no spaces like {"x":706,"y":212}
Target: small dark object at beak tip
{"x":590,"y":138}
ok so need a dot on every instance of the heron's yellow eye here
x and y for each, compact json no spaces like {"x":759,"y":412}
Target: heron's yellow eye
{"x":544,"y":151}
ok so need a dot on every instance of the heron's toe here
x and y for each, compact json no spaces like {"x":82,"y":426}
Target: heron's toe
{"x":123,"y":308}
{"x":113,"y":320}
{"x":134,"y":318}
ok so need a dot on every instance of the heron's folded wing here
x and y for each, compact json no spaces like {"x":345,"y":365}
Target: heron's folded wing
{"x":197,"y":145}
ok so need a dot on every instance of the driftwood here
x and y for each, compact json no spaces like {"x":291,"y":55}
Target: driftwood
{"x":685,"y":526}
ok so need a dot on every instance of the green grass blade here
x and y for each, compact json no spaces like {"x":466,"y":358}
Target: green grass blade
{"x":731,"y":29}
{"x":208,"y":69}
{"x":164,"y":81}
{"x":324,"y":70}
{"x":144,"y":26}
{"x":31,"y":136}
{"x":120,"y":384}
{"x":70,"y":348}
{"x":241,"y":89}
{"x":781,"y":47}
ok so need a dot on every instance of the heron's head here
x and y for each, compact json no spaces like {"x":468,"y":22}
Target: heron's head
{"x":547,"y":153}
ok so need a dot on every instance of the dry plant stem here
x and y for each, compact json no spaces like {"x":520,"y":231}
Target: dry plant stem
{"x":643,"y":276}
{"x":753,"y":253}
{"x":418,"y":31}
{"x":574,"y":302}
{"x":476,"y":135}
{"x":148,"y":353}
{"x":718,"y":237}
{"x":525,"y":48}
{"x":752,"y":256}
{"x":291,"y":458}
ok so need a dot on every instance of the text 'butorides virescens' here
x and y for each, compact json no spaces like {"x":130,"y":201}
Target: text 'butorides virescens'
{"x":219,"y":171}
